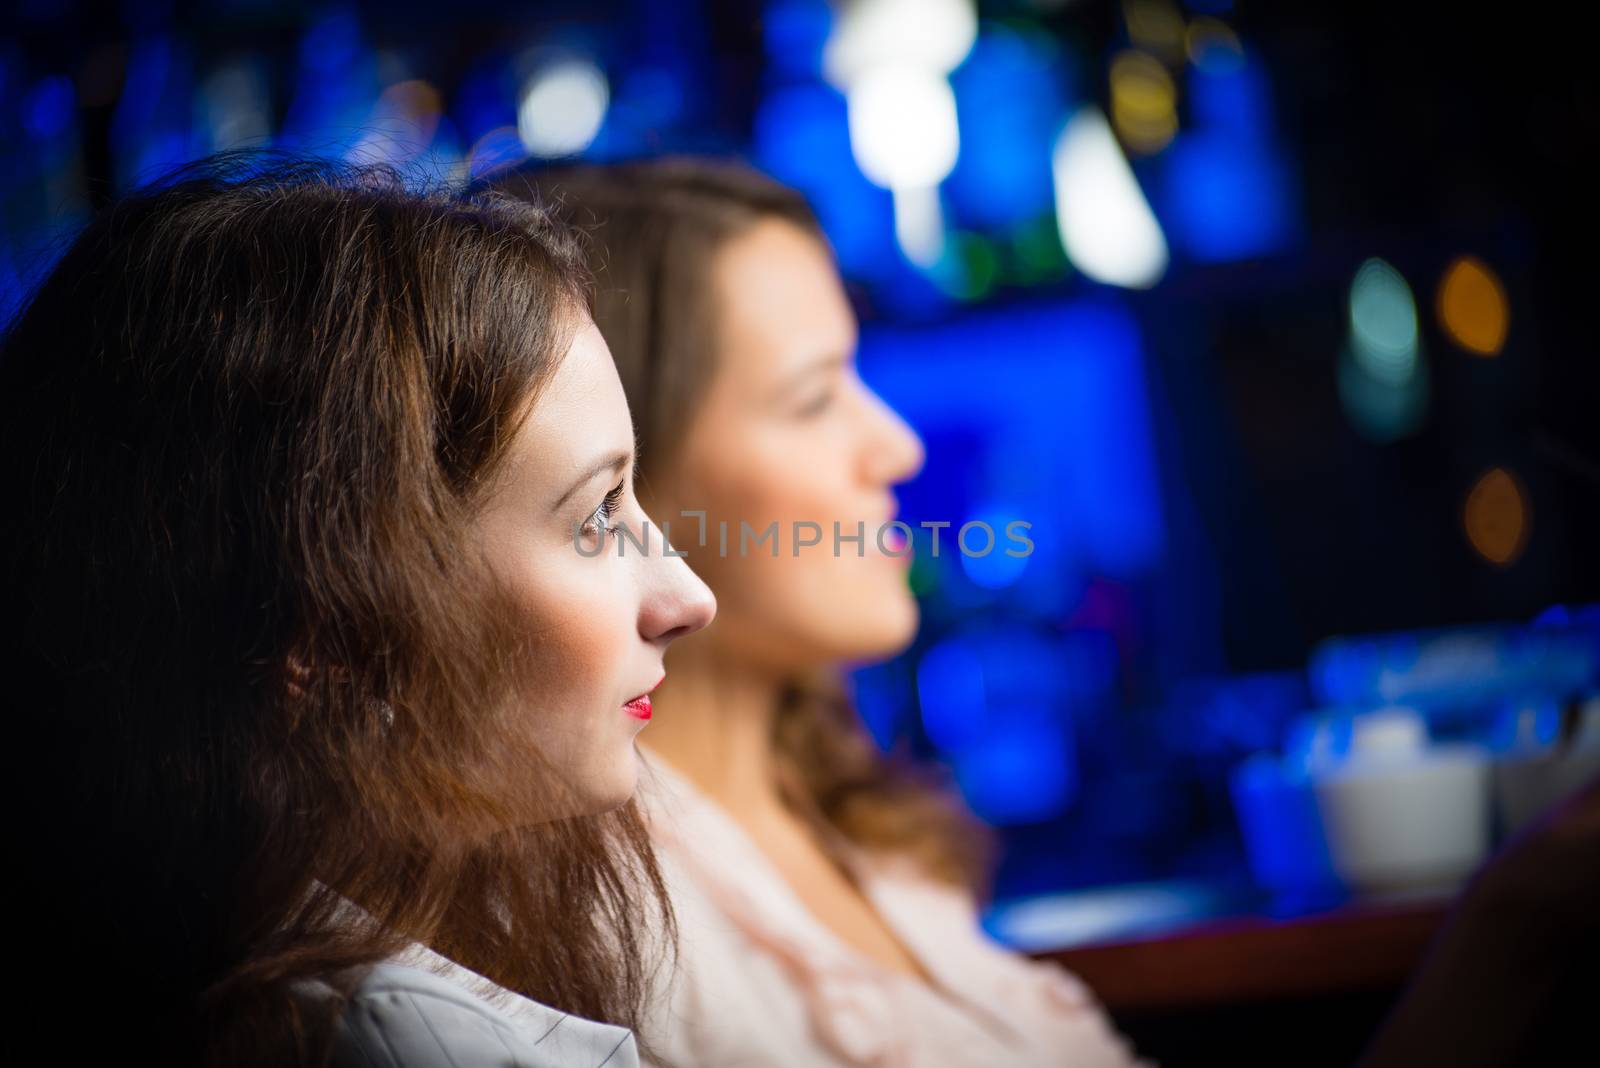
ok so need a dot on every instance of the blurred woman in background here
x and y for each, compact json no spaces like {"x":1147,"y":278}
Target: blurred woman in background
{"x":826,"y":894}
{"x":324,"y":709}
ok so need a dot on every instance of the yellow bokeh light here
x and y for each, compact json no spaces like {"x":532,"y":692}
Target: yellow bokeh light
{"x":1497,"y":517}
{"x":1473,"y":308}
{"x":1157,"y":26}
{"x":1143,"y":102}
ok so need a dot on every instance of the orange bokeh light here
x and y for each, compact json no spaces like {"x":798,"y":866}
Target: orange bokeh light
{"x":1497,"y":517}
{"x":1473,"y":308}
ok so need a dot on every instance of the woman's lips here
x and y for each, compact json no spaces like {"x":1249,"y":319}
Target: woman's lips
{"x":892,"y":543}
{"x":639,"y":707}
{"x":897,"y":545}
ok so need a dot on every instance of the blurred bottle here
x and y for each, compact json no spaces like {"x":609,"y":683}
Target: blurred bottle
{"x":1364,"y":801}
{"x":1401,"y":811}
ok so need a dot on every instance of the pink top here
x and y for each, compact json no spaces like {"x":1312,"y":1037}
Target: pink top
{"x":760,"y":980}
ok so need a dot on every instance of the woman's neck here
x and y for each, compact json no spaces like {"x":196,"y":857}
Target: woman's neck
{"x":714,"y":725}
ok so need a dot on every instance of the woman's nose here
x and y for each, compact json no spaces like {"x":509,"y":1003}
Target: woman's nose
{"x":677,"y":604}
{"x":895,"y":451}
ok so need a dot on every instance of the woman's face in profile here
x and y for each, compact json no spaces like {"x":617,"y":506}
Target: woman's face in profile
{"x":597,"y":622}
{"x":788,"y":432}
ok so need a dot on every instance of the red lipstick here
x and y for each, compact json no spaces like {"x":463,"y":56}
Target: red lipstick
{"x":639,"y":707}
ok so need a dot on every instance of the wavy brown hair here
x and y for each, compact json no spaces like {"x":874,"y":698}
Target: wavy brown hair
{"x":653,"y":229}
{"x":245,"y":424}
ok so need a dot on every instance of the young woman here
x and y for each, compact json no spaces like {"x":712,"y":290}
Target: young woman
{"x":324,"y":707}
{"x":824,"y":894}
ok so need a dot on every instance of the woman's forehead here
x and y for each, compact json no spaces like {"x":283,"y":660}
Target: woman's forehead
{"x":582,"y":410}
{"x":782,"y":304}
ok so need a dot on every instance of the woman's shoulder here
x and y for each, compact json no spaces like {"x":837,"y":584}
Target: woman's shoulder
{"x":405,"y":1016}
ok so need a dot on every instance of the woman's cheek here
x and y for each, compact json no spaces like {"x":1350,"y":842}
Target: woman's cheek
{"x":594,"y":608}
{"x":556,"y":610}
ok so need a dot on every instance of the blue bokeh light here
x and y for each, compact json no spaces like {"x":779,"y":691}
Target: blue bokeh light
{"x":1009,"y":103}
{"x":1054,"y":396}
{"x":48,"y":109}
{"x":1225,"y":189}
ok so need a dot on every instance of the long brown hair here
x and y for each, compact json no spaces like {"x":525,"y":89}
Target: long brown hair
{"x":653,"y":228}
{"x":244,"y":424}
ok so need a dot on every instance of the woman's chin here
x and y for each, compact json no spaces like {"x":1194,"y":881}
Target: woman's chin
{"x":883,"y":630}
{"x":606,"y":787}
{"x":623,"y":781}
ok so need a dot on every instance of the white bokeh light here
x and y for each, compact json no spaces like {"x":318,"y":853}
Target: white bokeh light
{"x":919,"y":224}
{"x":903,"y":127}
{"x":1107,"y":227}
{"x":562,"y":107}
{"x":933,"y":35}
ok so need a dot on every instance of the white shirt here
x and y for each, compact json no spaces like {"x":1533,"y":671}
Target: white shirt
{"x":761,"y":980}
{"x":422,"y":1010}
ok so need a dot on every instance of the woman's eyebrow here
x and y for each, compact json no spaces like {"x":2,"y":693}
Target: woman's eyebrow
{"x":616,"y":461}
{"x":812,"y":367}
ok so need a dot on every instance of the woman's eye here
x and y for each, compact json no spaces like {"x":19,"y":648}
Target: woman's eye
{"x":599,"y":521}
{"x":816,"y":406}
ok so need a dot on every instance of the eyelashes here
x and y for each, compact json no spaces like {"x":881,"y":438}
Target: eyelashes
{"x":599,"y":521}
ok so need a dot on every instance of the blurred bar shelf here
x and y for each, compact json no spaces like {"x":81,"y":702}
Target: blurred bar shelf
{"x":1357,"y":947}
{"x":1181,"y":947}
